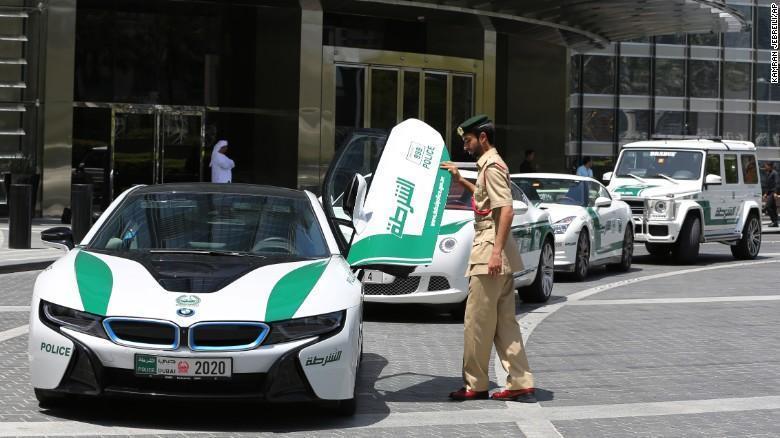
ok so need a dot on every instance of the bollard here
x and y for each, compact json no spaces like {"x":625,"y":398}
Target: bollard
{"x":20,"y":216}
{"x":81,"y":210}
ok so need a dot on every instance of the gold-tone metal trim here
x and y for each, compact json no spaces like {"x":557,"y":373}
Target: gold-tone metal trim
{"x":489,"y":76}
{"x":310,"y":154}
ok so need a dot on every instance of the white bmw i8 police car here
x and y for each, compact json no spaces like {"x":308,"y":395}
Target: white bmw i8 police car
{"x":226,"y":291}
{"x":590,"y":227}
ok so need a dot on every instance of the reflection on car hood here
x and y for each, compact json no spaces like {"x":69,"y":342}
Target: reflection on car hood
{"x":631,"y":188}
{"x":560,"y":211}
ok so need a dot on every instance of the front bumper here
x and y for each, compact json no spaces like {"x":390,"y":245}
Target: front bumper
{"x":426,"y":288}
{"x":273,"y":373}
{"x":654,"y":231}
{"x":565,"y":252}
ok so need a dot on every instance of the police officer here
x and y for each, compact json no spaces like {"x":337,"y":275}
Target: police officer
{"x":490,"y":307}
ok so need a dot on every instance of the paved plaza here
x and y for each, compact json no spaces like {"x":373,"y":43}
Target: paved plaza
{"x":663,"y":350}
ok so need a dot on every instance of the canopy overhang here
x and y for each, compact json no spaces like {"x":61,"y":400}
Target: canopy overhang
{"x":578,"y":24}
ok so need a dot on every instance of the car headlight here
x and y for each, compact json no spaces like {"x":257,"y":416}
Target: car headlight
{"x":56,"y":316}
{"x":306,"y":327}
{"x":448,"y":244}
{"x":562,"y":225}
{"x":661,"y":209}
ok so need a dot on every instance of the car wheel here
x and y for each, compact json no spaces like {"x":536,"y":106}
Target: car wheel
{"x":748,"y":246}
{"x":658,"y":249}
{"x":582,"y":256}
{"x":49,"y":399}
{"x":686,"y":250}
{"x":541,"y":289}
{"x":627,"y":255}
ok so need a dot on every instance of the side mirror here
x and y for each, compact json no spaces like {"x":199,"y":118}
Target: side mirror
{"x":519,"y":207}
{"x":602,"y":201}
{"x":354,"y":200}
{"x":58,"y":237}
{"x":607,"y":176}
{"x":713,"y":180}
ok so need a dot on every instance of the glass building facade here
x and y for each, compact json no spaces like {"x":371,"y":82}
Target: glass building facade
{"x":708,"y":85}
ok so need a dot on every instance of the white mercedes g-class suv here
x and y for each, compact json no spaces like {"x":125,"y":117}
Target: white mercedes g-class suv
{"x":686,"y":192}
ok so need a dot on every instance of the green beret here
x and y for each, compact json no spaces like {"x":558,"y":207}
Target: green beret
{"x":472,"y":124}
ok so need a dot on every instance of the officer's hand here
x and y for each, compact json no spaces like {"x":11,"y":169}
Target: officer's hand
{"x":494,"y":264}
{"x":452,"y":169}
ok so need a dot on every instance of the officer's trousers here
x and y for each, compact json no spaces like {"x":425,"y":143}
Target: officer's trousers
{"x":489,"y":319}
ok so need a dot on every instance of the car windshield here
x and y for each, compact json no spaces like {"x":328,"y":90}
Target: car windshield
{"x":459,"y":198}
{"x":554,"y":191}
{"x":213,"y":223}
{"x":681,"y":165}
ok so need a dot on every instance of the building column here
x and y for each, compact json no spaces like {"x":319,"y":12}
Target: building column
{"x":57,"y":61}
{"x":489,"y":68}
{"x":310,"y":156}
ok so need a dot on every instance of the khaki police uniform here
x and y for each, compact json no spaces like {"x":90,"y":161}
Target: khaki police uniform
{"x":490,"y":308}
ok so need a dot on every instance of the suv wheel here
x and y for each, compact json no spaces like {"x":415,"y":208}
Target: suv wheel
{"x":748,"y":246}
{"x":686,"y":250}
{"x":540,"y":290}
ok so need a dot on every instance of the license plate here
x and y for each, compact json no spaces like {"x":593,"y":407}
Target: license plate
{"x":181,"y":367}
{"x":376,"y":277}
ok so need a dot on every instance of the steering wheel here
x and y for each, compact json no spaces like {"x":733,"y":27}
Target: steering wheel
{"x":274,"y":243}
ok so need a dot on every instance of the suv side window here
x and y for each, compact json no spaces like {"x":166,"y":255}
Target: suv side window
{"x":749,"y":169}
{"x":713,"y":165}
{"x":730,"y":166}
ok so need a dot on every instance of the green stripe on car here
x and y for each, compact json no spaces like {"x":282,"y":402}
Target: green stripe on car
{"x":292,"y":289}
{"x":95,"y":282}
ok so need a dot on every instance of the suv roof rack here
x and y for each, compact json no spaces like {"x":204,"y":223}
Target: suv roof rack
{"x":684,"y":137}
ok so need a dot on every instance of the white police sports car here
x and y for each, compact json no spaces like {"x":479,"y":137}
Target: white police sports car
{"x":590,"y":227}
{"x":223,"y":291}
{"x":442,"y":281}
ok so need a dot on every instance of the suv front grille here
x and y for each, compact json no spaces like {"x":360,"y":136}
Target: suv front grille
{"x":399,"y":286}
{"x":637,"y":206}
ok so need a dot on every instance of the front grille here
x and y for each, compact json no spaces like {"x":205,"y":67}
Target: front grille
{"x":438,"y":283}
{"x":226,"y":336}
{"x":399,"y":286}
{"x":142,"y":333}
{"x":637,"y":206}
{"x":658,"y":230}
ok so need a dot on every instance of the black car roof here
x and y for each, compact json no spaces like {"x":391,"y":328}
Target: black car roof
{"x":236,"y":189}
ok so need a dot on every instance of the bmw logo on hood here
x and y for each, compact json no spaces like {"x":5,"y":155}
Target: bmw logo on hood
{"x":184,"y":311}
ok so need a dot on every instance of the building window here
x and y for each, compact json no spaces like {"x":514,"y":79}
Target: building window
{"x":767,"y":130}
{"x":676,"y":38}
{"x":703,"y":39}
{"x":736,"y":80}
{"x":598,"y":124}
{"x":670,"y":122}
{"x":574,"y":124}
{"x":633,"y":125}
{"x":598,"y":74}
{"x":703,"y":78}
{"x":703,"y":124}
{"x":634,"y":75}
{"x":740,"y":39}
{"x":765,"y":90}
{"x":575,"y":73}
{"x":762,"y":28}
{"x":670,"y":77}
{"x":736,"y":126}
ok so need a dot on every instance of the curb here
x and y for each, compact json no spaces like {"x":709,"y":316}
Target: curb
{"x":33,"y":265}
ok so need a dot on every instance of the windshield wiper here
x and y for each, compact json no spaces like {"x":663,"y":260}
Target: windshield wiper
{"x":205,"y":252}
{"x":637,"y":178}
{"x":668,"y":178}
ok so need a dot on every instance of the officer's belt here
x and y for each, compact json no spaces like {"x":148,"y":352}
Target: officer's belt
{"x":483,"y":225}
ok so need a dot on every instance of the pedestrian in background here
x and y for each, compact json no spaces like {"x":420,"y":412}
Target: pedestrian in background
{"x":772,"y":188}
{"x":221,"y":165}
{"x":490,"y":307}
{"x":586,"y":169}
{"x":528,"y":165}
